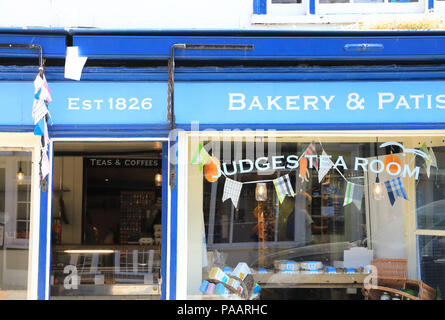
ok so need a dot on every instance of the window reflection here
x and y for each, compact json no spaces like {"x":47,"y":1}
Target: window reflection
{"x":327,"y":224}
{"x":15,"y":206}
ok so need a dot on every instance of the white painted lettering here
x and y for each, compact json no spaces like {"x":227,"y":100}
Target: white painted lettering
{"x":291,"y":103}
{"x":385,"y":97}
{"x":237,"y":101}
{"x":72,"y":103}
{"x":271,"y":102}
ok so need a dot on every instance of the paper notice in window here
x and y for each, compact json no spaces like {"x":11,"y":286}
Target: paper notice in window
{"x":73,"y":63}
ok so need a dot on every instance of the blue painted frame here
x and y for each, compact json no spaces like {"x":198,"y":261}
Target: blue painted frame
{"x":45,"y":207}
{"x":164,"y":235}
{"x":259,"y":6}
{"x":174,"y":223}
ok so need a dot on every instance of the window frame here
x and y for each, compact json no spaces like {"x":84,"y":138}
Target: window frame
{"x":287,"y":9}
{"x":30,"y":143}
{"x":184,"y":144}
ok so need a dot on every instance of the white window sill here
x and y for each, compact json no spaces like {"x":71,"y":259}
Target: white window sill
{"x":325,"y":18}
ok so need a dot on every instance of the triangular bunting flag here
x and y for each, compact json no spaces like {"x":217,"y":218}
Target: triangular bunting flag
{"x":201,"y":157}
{"x":310,"y":150}
{"x":354,"y":194}
{"x":41,"y":89}
{"x":39,"y":130}
{"x":283,"y":187}
{"x":432,"y":157}
{"x":395,"y":189}
{"x":232,"y":190}
{"x":324,"y":169}
{"x":431,"y":162}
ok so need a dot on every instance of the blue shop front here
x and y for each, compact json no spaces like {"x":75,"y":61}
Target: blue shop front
{"x":248,"y":170}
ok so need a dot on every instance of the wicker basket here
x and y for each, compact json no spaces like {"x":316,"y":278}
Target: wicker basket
{"x":391,"y":272}
{"x":391,"y":277}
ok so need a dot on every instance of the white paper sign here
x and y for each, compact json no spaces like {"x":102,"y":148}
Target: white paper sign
{"x":73,"y":63}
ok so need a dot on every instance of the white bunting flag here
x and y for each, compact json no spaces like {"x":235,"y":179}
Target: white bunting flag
{"x":324,"y":166}
{"x":232,"y":190}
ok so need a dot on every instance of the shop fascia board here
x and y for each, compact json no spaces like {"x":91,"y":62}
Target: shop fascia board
{"x":356,"y":46}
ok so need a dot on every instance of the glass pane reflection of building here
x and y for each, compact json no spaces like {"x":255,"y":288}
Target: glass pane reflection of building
{"x":15,"y":218}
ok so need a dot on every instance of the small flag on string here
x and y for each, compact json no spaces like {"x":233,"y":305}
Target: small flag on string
{"x":232,"y":190}
{"x":201,"y":157}
{"x":39,"y":129}
{"x":41,"y":89}
{"x":354,"y":194}
{"x":324,"y":169}
{"x":395,"y":189}
{"x":310,"y":150}
{"x":283,"y":187}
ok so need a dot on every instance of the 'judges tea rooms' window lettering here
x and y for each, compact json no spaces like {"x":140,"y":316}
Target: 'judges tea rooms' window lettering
{"x":121,"y":104}
{"x":325,"y":162}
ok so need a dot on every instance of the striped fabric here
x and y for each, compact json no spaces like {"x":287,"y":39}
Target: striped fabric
{"x":283,"y":187}
{"x":232,"y":190}
{"x":395,"y":189}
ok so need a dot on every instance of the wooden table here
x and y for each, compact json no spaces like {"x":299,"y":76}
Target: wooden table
{"x":307,"y":280}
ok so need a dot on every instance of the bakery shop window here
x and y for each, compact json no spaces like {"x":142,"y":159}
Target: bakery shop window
{"x":106,"y":230}
{"x":299,"y":212}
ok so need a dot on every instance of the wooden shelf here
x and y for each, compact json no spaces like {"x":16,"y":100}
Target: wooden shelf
{"x":304,"y":280}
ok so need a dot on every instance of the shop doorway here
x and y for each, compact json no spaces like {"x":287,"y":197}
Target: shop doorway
{"x":107,"y":208}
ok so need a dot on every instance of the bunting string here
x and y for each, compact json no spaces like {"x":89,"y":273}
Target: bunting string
{"x":283,"y":187}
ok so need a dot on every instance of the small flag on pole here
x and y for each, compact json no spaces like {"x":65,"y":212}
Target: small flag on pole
{"x":201,"y":157}
{"x":232,"y":190}
{"x":354,"y":194}
{"x":283,"y":187}
{"x":395,"y":189}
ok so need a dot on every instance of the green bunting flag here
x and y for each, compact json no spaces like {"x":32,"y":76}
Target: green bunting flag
{"x":201,"y":157}
{"x":354,"y":194}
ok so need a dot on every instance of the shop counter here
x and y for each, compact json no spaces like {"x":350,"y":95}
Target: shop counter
{"x":106,"y":270}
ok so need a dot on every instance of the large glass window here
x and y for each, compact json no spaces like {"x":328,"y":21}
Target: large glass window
{"x":15,"y":207}
{"x":305,"y":211}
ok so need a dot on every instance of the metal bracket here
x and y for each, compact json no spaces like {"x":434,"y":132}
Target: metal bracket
{"x":26,"y":46}
{"x":43,"y":182}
